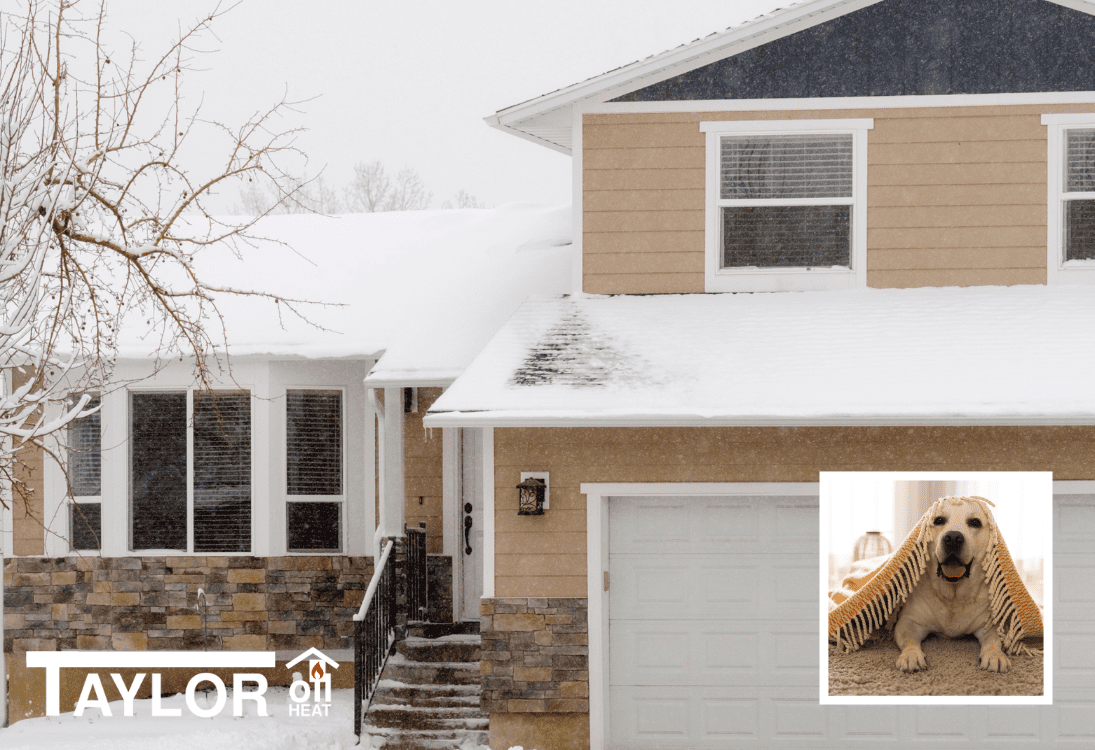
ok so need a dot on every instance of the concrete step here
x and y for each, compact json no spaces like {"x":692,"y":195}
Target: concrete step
{"x":437,"y":696}
{"x":425,"y":718}
{"x":401,"y":669}
{"x":406,"y":739}
{"x":439,"y":629}
{"x":463,"y":648}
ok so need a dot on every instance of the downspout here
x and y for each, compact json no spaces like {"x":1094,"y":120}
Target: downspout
{"x":7,"y":496}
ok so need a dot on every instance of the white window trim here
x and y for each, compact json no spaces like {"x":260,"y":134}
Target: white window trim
{"x":718,"y":279}
{"x":343,"y":497}
{"x":1057,"y":272}
{"x":128,"y":532}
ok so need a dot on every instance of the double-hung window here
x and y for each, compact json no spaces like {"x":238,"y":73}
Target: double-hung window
{"x":190,"y":471}
{"x":786,"y":205}
{"x":314,"y":477}
{"x":85,"y":479}
{"x":1071,"y":197}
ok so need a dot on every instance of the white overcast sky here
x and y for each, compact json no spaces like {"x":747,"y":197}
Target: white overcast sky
{"x":410,"y":82}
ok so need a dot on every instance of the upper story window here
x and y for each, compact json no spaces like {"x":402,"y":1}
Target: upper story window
{"x":1071,"y":198}
{"x":190,"y":479}
{"x":786,"y":205}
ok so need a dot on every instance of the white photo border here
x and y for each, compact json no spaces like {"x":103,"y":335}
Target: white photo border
{"x":1044,"y":482}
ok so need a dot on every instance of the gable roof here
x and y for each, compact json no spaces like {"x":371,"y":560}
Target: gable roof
{"x":979,"y":355}
{"x":425,"y":289}
{"x":548,"y":119}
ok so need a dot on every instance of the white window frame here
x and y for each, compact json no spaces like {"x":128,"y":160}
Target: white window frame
{"x":190,"y":391}
{"x":1057,"y":270}
{"x":717,"y":279}
{"x":340,"y":498}
{"x":88,"y":499}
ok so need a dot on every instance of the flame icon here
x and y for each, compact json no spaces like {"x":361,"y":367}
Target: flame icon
{"x":317,"y":671}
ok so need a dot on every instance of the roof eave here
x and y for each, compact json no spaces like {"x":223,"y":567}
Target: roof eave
{"x":495,"y":419}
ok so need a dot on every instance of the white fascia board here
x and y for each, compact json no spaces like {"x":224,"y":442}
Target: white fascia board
{"x":637,"y":75}
{"x":494,"y":122}
{"x":914,"y":101}
{"x":494,"y":419}
{"x":1084,"y":6}
{"x":408,"y":382}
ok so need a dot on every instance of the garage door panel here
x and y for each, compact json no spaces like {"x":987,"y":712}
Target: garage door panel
{"x":1075,"y":716}
{"x":712,"y":652}
{"x":703,"y":586}
{"x":1073,"y":524}
{"x":717,"y":717}
{"x":736,"y":525}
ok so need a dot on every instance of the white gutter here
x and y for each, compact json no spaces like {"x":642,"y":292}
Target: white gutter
{"x":496,"y":419}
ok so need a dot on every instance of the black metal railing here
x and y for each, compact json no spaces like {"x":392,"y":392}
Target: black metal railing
{"x":374,"y":631}
{"x":417,"y":594}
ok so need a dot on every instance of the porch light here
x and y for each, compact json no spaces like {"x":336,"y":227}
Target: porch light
{"x":531,"y":494}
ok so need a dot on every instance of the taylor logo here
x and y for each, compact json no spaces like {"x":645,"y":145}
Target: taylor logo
{"x":317,"y":686}
{"x":94,"y":696}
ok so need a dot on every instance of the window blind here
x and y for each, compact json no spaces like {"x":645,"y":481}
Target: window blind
{"x":222,"y":471}
{"x":313,"y":442}
{"x":158,"y":470}
{"x":85,"y":454}
{"x":1080,"y":174}
{"x":786,"y":166}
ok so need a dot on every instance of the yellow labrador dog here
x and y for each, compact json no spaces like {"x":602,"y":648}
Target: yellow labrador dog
{"x":952,"y":597}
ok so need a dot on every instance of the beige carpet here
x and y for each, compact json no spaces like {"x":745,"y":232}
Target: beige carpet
{"x":952,"y":670}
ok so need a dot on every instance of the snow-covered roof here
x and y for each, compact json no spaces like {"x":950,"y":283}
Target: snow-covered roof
{"x":981,"y":355}
{"x":426,"y":288}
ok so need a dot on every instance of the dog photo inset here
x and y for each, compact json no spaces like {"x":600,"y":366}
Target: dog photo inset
{"x":935,"y":587}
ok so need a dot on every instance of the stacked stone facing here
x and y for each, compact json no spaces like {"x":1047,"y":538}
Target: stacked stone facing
{"x":137,"y":603}
{"x":535,"y":655}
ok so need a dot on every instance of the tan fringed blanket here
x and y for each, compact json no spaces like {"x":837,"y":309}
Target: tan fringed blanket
{"x":873,"y":593}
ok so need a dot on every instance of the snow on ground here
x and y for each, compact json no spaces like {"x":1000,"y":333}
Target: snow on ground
{"x":279,"y":731}
{"x":983,"y":353}
{"x":141,"y":731}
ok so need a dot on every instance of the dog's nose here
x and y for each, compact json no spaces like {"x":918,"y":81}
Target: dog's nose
{"x":953,"y":541}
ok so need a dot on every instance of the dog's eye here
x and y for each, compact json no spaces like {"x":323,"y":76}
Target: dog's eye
{"x":974,"y":523}
{"x":939,"y":520}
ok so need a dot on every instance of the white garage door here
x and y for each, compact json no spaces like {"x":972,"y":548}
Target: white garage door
{"x":713,"y":636}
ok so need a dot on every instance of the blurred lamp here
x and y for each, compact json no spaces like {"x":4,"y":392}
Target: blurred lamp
{"x":871,"y":544}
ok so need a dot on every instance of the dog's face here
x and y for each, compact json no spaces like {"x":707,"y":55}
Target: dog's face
{"x":961,"y":535}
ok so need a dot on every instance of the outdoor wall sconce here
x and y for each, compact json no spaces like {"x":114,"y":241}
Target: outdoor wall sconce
{"x":532,"y":493}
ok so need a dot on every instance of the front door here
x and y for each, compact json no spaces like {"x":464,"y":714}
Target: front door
{"x":470,"y":547}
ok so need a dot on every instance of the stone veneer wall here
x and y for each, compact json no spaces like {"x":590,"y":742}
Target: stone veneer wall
{"x":137,"y":603}
{"x":439,"y":588}
{"x":535,"y":655}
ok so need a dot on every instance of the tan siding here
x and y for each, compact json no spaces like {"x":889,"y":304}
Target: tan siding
{"x":955,"y":195}
{"x":643,"y":242}
{"x":953,"y":186}
{"x":660,"y":283}
{"x":28,"y":532}
{"x":936,"y":258}
{"x":618,"y":263}
{"x":555,"y":566}
{"x":422,"y":472}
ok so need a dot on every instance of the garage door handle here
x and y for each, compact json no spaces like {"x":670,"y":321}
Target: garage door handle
{"x":606,"y":580}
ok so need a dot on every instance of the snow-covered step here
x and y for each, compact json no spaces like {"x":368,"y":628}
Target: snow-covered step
{"x":430,"y":672}
{"x":449,"y":649}
{"x":428,"y":697}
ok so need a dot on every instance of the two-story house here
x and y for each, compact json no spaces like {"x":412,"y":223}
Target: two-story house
{"x":850,"y":235}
